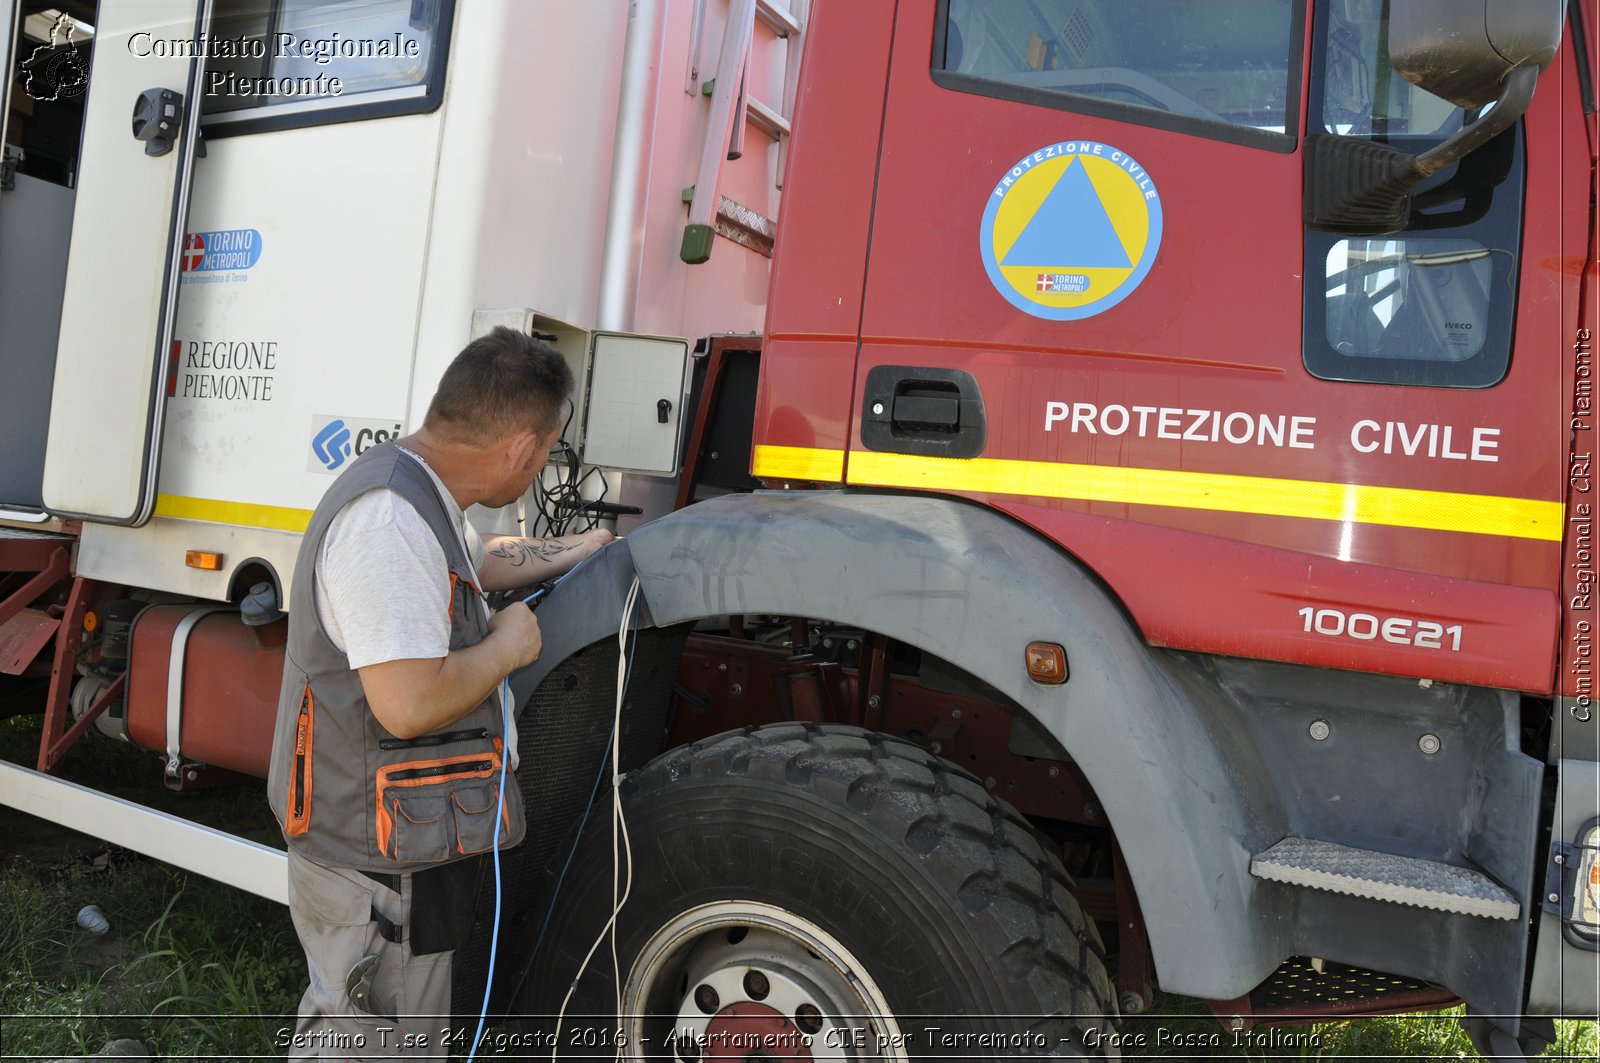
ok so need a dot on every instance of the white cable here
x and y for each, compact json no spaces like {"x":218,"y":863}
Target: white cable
{"x":618,"y":825}
{"x":621,"y":858}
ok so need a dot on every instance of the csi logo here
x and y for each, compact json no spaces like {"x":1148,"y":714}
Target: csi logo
{"x":335,"y":440}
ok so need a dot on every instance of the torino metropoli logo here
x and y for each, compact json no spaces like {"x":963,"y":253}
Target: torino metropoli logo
{"x":281,"y":48}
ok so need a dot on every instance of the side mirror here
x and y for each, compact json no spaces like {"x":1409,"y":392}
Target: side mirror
{"x":1462,"y":50}
{"x":1466,"y":51}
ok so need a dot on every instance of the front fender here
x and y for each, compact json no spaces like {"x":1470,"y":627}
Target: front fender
{"x":585,"y":607}
{"x":971,"y":587}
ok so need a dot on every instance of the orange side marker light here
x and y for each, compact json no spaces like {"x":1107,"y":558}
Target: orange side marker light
{"x":1047,"y":663}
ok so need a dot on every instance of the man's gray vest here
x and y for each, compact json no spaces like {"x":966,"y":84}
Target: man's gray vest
{"x":347,"y":792}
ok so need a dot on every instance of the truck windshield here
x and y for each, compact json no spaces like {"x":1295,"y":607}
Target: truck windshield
{"x":1226,"y":61}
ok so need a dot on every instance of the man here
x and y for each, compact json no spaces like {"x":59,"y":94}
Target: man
{"x":388,"y":755}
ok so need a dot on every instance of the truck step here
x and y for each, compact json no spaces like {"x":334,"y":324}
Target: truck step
{"x":1305,"y":987}
{"x":1397,"y":879}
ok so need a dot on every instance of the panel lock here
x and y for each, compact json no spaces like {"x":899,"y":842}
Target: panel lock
{"x":157,"y":119}
{"x":663,"y":407}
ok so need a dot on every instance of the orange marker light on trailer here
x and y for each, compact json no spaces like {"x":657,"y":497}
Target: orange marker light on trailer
{"x":204,"y":560}
{"x":90,"y":622}
{"x":1047,"y":663}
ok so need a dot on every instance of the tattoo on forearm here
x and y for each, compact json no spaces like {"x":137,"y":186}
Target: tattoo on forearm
{"x":522,"y":551}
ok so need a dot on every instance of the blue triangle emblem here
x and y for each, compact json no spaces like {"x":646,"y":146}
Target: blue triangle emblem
{"x":1070,"y":229}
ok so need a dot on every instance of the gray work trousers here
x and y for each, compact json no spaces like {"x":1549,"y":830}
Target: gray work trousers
{"x":407,"y":1012}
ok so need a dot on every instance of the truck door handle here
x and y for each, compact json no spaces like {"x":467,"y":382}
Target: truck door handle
{"x":918,"y":410}
{"x":938,"y":413}
{"x":157,"y":119}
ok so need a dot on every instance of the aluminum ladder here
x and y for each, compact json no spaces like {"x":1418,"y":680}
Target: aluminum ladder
{"x":733,"y":105}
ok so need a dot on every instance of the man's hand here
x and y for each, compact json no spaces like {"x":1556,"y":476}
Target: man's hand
{"x":512,"y":561}
{"x":411,"y":697}
{"x":517,"y":626}
{"x":593,"y":541}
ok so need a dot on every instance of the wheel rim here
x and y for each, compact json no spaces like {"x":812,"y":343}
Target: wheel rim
{"x":749,"y":981}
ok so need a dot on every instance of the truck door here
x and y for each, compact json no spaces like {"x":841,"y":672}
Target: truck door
{"x":43,"y":113}
{"x":122,"y":267}
{"x":1092,"y":302}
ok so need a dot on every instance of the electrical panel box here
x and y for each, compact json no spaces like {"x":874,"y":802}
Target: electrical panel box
{"x":628,"y":392}
{"x":570,"y":341}
{"x":634,"y":406}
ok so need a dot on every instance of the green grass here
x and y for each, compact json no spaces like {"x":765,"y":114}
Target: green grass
{"x":189,"y":967}
{"x":1186,"y":1029}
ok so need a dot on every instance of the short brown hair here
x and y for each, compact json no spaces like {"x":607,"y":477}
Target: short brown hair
{"x":500,"y":384}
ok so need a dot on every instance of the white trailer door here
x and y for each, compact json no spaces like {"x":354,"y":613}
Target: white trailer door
{"x":9,"y":27}
{"x":122,"y":270}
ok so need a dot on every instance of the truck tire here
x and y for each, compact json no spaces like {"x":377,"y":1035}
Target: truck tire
{"x":804,"y":891}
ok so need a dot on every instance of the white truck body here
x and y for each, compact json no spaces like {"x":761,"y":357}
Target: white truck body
{"x":329,"y":271}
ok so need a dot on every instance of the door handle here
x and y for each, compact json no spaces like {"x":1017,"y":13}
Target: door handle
{"x":918,"y":410}
{"x":924,"y":412}
{"x":157,"y":119}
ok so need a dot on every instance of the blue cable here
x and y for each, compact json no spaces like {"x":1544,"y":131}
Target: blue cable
{"x":577,"y":837}
{"x":505,"y":763}
{"x":499,"y":819}
{"x":549,"y":585}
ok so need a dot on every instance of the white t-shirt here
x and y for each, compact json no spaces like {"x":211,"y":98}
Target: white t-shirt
{"x":382,"y":580}
{"x":383,"y":585}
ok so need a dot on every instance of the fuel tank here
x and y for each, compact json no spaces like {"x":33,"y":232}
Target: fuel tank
{"x":202,"y":671}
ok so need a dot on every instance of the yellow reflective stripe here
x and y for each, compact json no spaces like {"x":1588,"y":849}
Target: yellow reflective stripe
{"x":1522,"y":518}
{"x":245,"y":514}
{"x":798,"y":463}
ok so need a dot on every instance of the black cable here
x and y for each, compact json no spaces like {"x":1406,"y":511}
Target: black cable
{"x":561,"y":505}
{"x":583,"y":821}
{"x":538,"y":942}
{"x":561,"y":451}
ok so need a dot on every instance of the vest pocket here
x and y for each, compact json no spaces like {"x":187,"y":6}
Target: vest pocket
{"x":430,"y":811}
{"x":417,"y":828}
{"x":474,"y":815}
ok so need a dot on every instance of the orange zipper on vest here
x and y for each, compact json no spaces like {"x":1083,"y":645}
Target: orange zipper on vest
{"x":298,"y":817}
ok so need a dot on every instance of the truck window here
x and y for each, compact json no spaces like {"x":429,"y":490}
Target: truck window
{"x":1433,"y":305}
{"x":1362,"y":95}
{"x":276,"y":64}
{"x":1221,"y":68}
